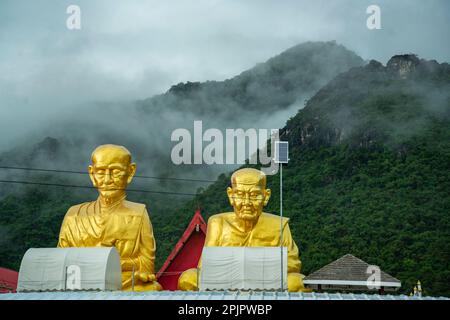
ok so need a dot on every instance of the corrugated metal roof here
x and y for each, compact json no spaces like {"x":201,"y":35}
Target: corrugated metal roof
{"x":205,"y":295}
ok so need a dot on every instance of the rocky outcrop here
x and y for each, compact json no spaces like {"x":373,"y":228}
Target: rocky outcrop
{"x":374,"y":104}
{"x":403,"y":64}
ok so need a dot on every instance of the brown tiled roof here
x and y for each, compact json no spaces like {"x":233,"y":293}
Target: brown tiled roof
{"x":348,"y":268}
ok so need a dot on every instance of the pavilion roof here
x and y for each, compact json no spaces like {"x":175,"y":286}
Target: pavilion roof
{"x":348,"y":271}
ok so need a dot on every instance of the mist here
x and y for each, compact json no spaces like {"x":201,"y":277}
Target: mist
{"x":132,"y":50}
{"x":63,"y":92}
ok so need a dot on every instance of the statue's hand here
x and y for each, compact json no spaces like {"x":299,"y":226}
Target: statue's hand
{"x":145,"y":276}
{"x":126,"y":264}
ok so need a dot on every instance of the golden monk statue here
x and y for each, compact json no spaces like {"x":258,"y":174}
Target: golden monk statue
{"x":113,"y":221}
{"x":248,"y":226}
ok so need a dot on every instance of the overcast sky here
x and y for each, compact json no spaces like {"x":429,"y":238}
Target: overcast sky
{"x":130,"y":50}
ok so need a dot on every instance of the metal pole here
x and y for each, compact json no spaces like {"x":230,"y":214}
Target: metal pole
{"x":65,"y":279}
{"x":198,"y":275}
{"x":132,"y":280}
{"x":281,"y":222}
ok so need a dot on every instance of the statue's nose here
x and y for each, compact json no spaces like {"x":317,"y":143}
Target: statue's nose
{"x":107,"y":177}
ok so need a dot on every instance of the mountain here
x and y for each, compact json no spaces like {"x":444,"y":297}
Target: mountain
{"x":369,"y":173}
{"x":280,"y":82}
{"x":262,"y":97}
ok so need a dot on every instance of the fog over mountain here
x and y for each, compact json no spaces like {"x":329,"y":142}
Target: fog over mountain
{"x":262,"y":97}
{"x":134,"y":49}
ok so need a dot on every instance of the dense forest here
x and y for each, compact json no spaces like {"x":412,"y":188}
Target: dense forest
{"x":369,"y":175}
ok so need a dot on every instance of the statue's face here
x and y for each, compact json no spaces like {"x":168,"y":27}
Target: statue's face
{"x":248,"y":197}
{"x":111,"y":171}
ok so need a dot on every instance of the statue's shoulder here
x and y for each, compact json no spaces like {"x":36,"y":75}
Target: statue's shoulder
{"x":273,"y":218}
{"x":218,"y":218}
{"x":134,"y":207}
{"x":75,"y":209}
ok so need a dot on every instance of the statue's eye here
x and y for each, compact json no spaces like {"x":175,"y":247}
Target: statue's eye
{"x":116,"y":172}
{"x":101,"y":172}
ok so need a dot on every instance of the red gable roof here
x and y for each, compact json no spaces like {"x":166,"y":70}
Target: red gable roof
{"x":8,"y":280}
{"x":186,"y":253}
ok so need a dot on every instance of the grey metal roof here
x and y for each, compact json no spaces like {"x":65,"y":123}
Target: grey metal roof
{"x":349,"y":268}
{"x":205,"y":295}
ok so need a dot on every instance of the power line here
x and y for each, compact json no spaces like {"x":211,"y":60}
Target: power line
{"x":88,"y":187}
{"x":82,"y":172}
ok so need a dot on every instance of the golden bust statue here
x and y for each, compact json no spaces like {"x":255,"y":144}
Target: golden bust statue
{"x":113,"y":221}
{"x":248,"y":226}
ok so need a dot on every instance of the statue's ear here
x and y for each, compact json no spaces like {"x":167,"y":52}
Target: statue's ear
{"x":230,"y":195}
{"x":267,"y":194}
{"x":91,"y":175}
{"x":131,"y":172}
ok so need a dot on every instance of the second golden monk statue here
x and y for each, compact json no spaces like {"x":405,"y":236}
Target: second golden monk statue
{"x":113,"y":221}
{"x":248,"y":226}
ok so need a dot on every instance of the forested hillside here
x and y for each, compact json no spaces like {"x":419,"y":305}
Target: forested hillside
{"x":369,"y":173}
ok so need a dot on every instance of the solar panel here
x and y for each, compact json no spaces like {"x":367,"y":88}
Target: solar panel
{"x":281,"y":152}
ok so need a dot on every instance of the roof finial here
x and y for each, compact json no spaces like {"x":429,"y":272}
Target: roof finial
{"x":419,"y":288}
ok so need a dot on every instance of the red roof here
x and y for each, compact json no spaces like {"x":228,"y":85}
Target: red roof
{"x":185,"y":255}
{"x":8,"y":280}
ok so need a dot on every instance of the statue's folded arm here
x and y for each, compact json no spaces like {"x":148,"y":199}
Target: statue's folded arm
{"x":147,"y":245}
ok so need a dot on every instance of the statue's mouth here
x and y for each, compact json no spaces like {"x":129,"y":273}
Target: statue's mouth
{"x":248,"y":213}
{"x":109,"y":190}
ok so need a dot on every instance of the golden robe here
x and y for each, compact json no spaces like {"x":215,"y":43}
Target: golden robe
{"x":124,"y":225}
{"x":223,"y":231}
